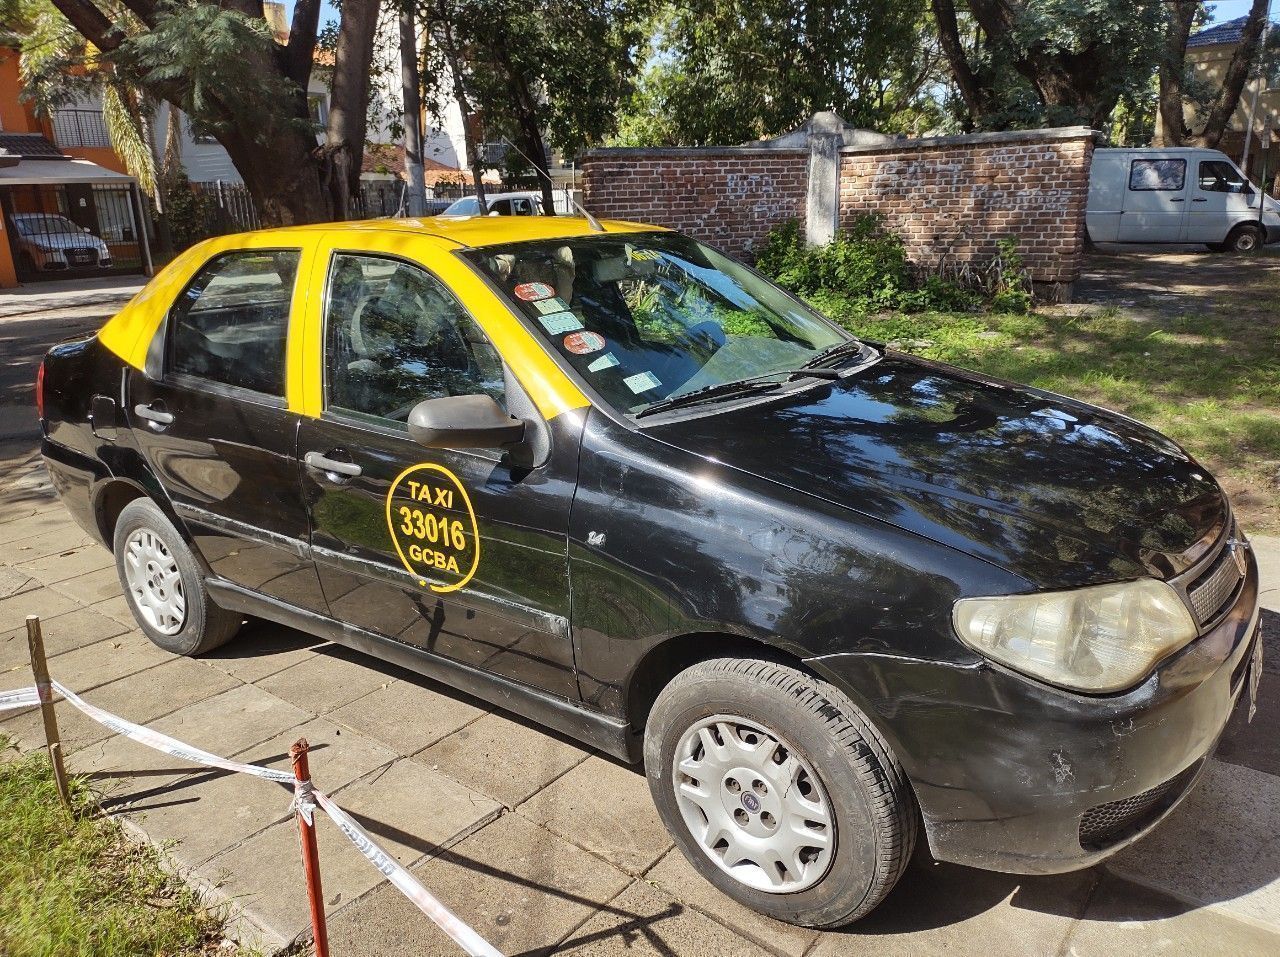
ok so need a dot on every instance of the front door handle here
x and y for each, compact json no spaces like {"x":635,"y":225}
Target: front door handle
{"x":315,"y":460}
{"x":1177,"y":200}
{"x":1199,"y":199}
{"x":155,"y":416}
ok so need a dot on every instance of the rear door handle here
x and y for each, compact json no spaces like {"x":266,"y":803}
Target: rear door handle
{"x":1177,"y":200}
{"x":315,"y":460}
{"x":156,"y":416}
{"x":1199,"y":199}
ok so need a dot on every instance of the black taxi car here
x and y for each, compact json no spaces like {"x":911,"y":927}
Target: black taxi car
{"x":833,"y":597}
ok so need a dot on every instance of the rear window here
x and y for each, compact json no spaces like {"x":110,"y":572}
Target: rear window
{"x":229,"y":326}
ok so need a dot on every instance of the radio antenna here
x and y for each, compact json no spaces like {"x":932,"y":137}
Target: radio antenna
{"x":591,"y":220}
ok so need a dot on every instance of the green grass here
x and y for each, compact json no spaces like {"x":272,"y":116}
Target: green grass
{"x":1211,"y":382}
{"x":73,"y":885}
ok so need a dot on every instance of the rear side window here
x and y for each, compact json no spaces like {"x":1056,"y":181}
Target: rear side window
{"x":1158,"y":174}
{"x":230,"y":324}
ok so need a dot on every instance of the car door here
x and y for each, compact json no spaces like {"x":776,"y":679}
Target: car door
{"x":1220,"y":198}
{"x":211,"y":418}
{"x":460,"y":554}
{"x":1155,"y":202}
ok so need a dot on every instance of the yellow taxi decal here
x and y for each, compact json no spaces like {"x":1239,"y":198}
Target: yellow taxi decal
{"x":425,"y":508}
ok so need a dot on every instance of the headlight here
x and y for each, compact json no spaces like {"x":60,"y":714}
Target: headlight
{"x":1098,"y":639}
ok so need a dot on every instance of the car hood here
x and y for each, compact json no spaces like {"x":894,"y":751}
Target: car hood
{"x":62,"y":240}
{"x":1056,"y":491}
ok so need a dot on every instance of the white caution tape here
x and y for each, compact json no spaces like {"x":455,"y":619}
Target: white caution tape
{"x":170,"y":746}
{"x":447,"y":920}
{"x":305,"y":799}
{"x":18,"y":698}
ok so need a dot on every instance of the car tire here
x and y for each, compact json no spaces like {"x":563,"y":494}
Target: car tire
{"x":734,"y":719}
{"x":1245,"y":238}
{"x":164,"y":585}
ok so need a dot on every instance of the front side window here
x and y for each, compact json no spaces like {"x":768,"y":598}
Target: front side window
{"x":650,"y":316}
{"x":1158,"y":174}
{"x":394,"y":336}
{"x":230,"y":324}
{"x":1219,"y":176}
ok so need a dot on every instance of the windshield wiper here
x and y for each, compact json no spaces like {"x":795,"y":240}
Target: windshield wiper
{"x":708,"y":393}
{"x":832,"y":353}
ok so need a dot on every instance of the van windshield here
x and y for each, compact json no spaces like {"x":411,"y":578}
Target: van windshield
{"x":644,"y":317}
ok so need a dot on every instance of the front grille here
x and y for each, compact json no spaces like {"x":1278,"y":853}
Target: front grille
{"x":1110,"y":823}
{"x":1215,"y":587}
{"x":79,"y":256}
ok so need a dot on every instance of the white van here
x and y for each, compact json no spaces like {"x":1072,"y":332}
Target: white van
{"x":1177,"y":195}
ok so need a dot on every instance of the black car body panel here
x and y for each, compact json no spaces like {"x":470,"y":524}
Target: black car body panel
{"x":835,"y":524}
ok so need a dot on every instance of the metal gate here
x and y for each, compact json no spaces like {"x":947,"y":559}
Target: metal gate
{"x":61,"y":231}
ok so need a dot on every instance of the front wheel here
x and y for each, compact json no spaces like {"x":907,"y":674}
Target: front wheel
{"x":1244,"y":239}
{"x":779,"y":791}
{"x":163,"y":584}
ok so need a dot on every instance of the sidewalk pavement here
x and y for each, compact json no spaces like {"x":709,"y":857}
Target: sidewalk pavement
{"x":537,"y":842}
{"x":103,"y":294}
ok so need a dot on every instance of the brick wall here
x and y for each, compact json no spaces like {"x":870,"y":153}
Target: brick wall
{"x":952,"y":199}
{"x":730,"y":198}
{"x":949,"y":197}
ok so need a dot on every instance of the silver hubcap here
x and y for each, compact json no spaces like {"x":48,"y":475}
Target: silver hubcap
{"x":155,"y":582}
{"x":754,"y":806}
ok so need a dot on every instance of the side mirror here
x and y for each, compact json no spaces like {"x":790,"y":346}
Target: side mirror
{"x":463,"y":422}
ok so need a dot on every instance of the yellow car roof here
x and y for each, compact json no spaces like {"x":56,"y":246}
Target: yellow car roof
{"x":475,"y":231}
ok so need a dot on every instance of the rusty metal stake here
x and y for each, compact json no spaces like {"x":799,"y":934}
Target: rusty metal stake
{"x":40,"y":671}
{"x":305,"y":812}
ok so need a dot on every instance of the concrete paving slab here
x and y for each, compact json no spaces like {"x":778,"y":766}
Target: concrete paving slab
{"x":62,"y":633}
{"x":64,"y":538}
{"x":263,"y":648}
{"x":409,"y":715}
{"x":1255,"y":744}
{"x":1266,"y":549}
{"x":39,"y":601}
{"x":327,"y":680}
{"x":606,"y":808}
{"x":1220,"y":847}
{"x":87,"y":667}
{"x":520,"y":887}
{"x":645,"y":920}
{"x":13,"y":581}
{"x":338,"y":755}
{"x":116,"y":607}
{"x":35,"y":522}
{"x":1124,"y":918}
{"x":264,"y":873}
{"x":71,"y":563}
{"x":676,"y":876}
{"x":502,"y":758}
{"x":92,"y":587}
{"x":946,"y":909}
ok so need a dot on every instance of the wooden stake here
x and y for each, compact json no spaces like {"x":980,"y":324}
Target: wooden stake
{"x":310,"y":852}
{"x":40,"y":671}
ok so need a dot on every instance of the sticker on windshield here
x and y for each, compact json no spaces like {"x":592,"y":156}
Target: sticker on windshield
{"x":583,"y":343}
{"x":533,"y":291}
{"x":560,"y":322}
{"x":641,"y":382}
{"x":548,"y":306}
{"x":433,"y":527}
{"x":606,"y":361}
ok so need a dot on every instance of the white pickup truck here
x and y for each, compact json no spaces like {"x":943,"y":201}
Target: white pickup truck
{"x":1177,"y":195}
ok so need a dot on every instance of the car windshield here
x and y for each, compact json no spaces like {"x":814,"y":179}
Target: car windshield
{"x":45,"y":223}
{"x":646,"y":318}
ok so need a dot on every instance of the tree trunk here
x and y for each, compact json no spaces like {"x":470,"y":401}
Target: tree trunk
{"x":348,"y":103}
{"x":164,"y":237}
{"x":1228,"y":98}
{"x":454,"y":62}
{"x":524,"y":106}
{"x":415,"y":190}
{"x":1173,"y":68}
{"x":972,"y":92}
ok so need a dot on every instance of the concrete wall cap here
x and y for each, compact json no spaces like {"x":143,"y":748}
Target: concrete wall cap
{"x":1050,"y":135}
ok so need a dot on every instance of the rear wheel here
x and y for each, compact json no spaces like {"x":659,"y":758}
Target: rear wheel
{"x":779,"y":791}
{"x":163,"y":584}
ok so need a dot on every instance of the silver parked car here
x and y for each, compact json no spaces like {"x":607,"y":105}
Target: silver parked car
{"x":1177,"y":195}
{"x":501,"y":204}
{"x":47,"y":241}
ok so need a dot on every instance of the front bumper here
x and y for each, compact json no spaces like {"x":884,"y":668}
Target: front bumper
{"x":1015,"y":776}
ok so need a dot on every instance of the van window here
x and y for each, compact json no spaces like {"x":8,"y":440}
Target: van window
{"x":1218,"y":176}
{"x":1158,"y":174}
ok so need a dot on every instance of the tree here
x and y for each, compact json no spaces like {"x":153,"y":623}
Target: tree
{"x":1032,"y":62}
{"x":1175,"y":84}
{"x":217,"y":62}
{"x":723,"y":71}
{"x":530,"y":69}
